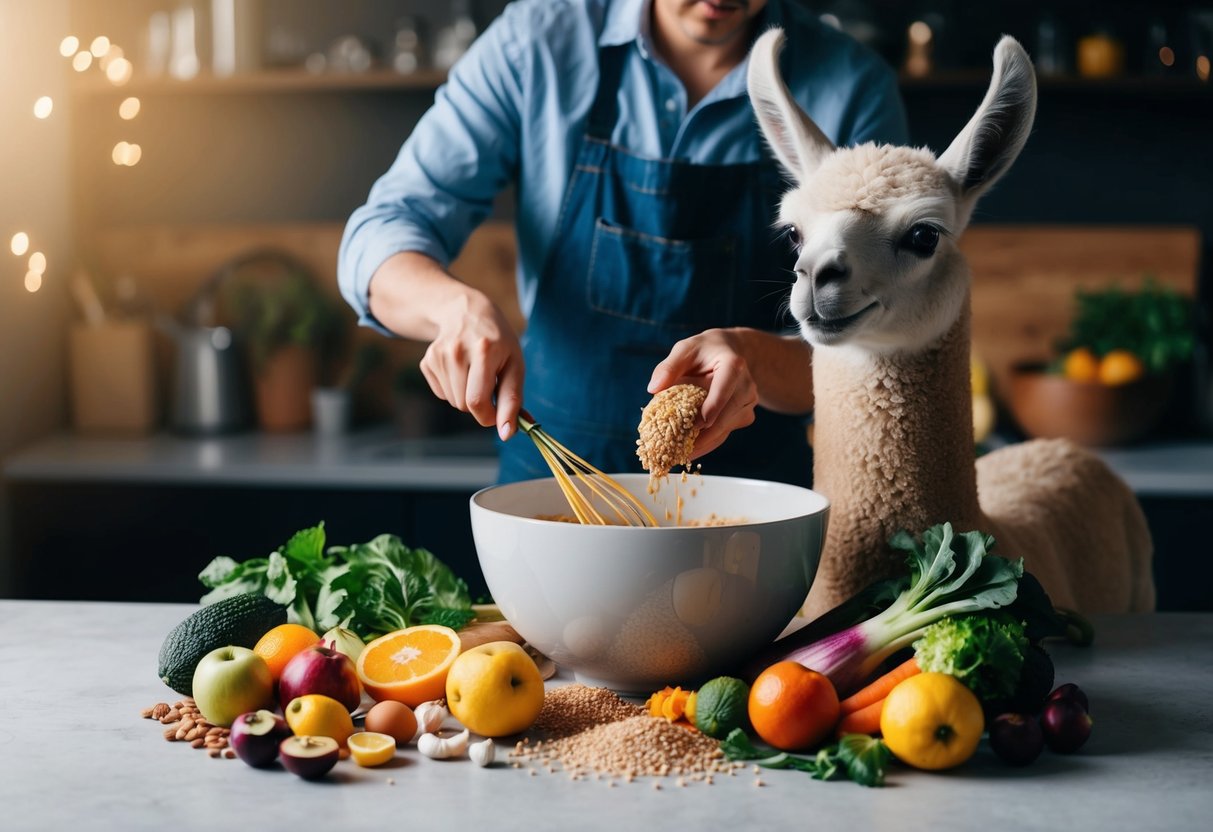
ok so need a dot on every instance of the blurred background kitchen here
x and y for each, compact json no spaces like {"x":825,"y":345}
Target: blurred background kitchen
{"x":181,"y":380}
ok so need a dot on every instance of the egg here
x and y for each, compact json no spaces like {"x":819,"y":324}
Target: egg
{"x":394,"y":719}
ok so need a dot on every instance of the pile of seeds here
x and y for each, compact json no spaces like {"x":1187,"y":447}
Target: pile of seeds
{"x":591,"y":731}
{"x":184,"y":723}
{"x":667,"y":430}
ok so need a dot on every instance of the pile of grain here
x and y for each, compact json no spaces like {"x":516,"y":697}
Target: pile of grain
{"x":667,"y":430}
{"x":586,"y":731}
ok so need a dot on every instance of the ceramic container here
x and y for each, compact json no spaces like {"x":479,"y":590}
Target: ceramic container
{"x":638,"y":608}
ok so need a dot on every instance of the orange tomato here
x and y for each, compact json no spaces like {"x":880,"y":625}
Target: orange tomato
{"x":792,"y":707}
{"x":1081,"y":365}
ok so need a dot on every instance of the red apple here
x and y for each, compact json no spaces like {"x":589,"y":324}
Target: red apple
{"x":257,"y":735}
{"x":321,"y":669}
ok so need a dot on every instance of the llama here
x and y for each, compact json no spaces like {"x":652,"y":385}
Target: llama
{"x":882,"y":294}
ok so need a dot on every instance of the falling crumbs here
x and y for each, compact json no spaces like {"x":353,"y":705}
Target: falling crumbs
{"x":586,"y":731}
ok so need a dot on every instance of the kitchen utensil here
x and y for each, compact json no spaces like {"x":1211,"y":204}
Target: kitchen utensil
{"x":639,"y":608}
{"x":209,"y":385}
{"x":581,"y":482}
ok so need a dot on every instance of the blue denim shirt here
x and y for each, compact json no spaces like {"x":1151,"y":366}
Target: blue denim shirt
{"x":515,"y":106}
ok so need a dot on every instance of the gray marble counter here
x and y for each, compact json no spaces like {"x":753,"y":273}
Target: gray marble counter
{"x":377,"y":458}
{"x":373,"y":459}
{"x":75,"y":754}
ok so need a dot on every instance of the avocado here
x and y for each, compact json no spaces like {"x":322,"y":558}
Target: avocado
{"x":240,"y":621}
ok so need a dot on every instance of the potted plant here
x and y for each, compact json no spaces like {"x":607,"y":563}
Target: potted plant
{"x":286,"y":323}
{"x":1113,"y":375}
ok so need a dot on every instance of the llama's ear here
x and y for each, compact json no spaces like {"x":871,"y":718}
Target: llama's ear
{"x":992,"y":139}
{"x":797,"y":142}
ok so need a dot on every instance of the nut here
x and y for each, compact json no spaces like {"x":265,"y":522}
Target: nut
{"x":171,"y":734}
{"x":198,"y":743}
{"x":160,"y":709}
{"x":214,"y":752}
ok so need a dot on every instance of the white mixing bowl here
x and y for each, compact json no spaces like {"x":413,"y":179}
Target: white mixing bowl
{"x":638,"y":608}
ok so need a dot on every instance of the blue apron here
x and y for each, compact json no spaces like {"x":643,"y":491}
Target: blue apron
{"x":648,"y":252}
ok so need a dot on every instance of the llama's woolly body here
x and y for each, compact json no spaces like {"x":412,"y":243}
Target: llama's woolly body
{"x":881,"y":292}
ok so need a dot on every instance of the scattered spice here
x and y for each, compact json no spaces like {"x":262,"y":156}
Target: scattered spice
{"x":584,"y":730}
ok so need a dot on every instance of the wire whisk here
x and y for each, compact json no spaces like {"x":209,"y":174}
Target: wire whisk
{"x":581,"y":483}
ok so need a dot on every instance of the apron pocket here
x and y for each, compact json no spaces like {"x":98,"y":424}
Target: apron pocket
{"x":678,"y":284}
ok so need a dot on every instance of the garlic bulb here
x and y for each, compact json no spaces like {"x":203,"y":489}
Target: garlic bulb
{"x":430,"y":717}
{"x":482,"y":753}
{"x":443,"y":748}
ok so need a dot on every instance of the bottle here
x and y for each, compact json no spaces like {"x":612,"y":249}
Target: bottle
{"x":235,"y":36}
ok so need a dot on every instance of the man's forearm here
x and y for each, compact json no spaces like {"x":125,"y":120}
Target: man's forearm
{"x":782,"y":368}
{"x":410,"y":293}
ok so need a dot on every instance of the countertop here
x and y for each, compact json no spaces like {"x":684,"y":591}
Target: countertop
{"x":75,"y":754}
{"x":377,"y":458}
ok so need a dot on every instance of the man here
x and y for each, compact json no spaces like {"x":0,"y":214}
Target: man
{"x":644,"y":207}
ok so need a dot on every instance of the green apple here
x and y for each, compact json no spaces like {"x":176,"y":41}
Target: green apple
{"x":230,"y":681}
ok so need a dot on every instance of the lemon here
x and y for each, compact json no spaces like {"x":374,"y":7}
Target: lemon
{"x":931,"y":721}
{"x":370,"y":749}
{"x":316,"y":715}
{"x":494,"y":689}
{"x":720,"y":706}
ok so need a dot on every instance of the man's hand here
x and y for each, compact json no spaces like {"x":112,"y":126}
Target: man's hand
{"x":741,"y":369}
{"x":475,"y":355}
{"x":713,"y":360}
{"x":473,"y":352}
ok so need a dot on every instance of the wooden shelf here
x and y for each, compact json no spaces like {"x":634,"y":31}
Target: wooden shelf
{"x":1126,"y":84}
{"x":269,"y":81}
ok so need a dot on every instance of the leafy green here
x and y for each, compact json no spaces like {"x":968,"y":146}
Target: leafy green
{"x":371,"y":588}
{"x":1155,"y":323}
{"x":985,"y":652}
{"x":856,"y":756}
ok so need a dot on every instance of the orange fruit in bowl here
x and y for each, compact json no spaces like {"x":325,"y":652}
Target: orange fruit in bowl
{"x":281,"y":644}
{"x":409,"y":665}
{"x":1080,"y":364}
{"x":931,"y":721}
{"x":792,"y":707}
{"x":1120,"y":367}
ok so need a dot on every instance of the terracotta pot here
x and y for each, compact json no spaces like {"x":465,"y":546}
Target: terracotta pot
{"x":283,"y":387}
{"x":1051,"y":406}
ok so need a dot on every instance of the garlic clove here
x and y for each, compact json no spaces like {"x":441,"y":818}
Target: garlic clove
{"x":443,"y":748}
{"x":483,"y":753}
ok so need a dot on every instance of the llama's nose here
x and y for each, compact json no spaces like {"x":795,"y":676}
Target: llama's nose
{"x":832,"y":269}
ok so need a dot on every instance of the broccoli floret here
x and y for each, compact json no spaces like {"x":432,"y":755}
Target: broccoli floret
{"x":984,"y":651}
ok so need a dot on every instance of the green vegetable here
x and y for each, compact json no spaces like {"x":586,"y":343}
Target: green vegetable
{"x":942,"y":583}
{"x":371,"y":588}
{"x":1155,"y":323}
{"x":721,"y":705}
{"x":985,"y":652}
{"x":857,"y":756}
{"x":240,"y":620}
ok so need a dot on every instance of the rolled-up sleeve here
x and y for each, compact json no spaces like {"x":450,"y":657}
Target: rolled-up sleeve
{"x":462,"y":152}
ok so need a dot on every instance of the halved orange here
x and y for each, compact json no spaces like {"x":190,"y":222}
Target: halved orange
{"x":409,"y":665}
{"x":281,"y":644}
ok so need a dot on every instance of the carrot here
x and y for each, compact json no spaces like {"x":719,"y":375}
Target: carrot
{"x":864,"y":721}
{"x":879,"y":689}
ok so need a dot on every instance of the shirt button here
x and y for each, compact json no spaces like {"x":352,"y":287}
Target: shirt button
{"x":671,"y":104}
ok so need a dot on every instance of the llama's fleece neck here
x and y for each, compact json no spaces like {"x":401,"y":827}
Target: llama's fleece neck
{"x":893,"y":449}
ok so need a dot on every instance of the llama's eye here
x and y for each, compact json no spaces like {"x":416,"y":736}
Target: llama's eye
{"x":921,"y":240}
{"x":793,"y":236}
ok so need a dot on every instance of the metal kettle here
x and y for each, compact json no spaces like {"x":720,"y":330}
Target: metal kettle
{"x":209,"y":385}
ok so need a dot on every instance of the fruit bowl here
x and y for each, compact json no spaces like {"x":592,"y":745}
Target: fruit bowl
{"x":1050,"y":406}
{"x":638,"y":608}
